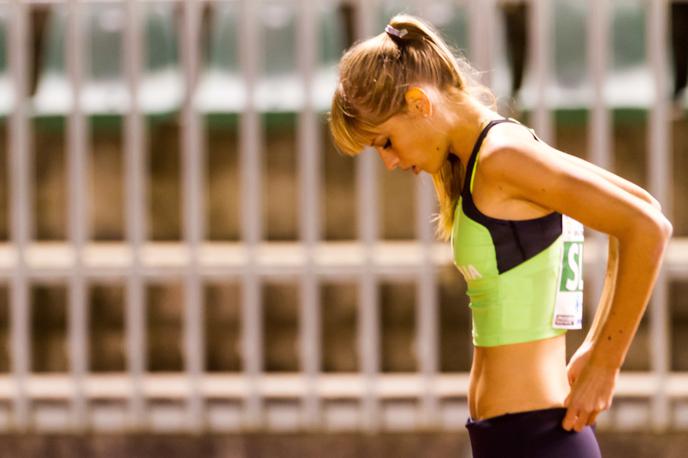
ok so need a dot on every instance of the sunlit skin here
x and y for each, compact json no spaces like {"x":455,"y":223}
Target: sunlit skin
{"x":519,"y":178}
{"x":431,"y":128}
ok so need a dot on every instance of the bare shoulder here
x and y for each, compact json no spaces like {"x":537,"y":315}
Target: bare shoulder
{"x":513,"y":140}
{"x":512,"y":152}
{"x":499,"y":155}
{"x":531,"y":170}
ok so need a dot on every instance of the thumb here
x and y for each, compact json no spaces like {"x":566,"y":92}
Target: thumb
{"x":567,"y":400}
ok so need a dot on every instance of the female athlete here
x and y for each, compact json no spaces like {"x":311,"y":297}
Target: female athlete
{"x":512,"y":207}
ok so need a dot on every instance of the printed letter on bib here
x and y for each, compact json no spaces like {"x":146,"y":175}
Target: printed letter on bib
{"x":568,"y":306}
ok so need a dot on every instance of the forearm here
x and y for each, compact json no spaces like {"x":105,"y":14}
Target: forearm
{"x":608,"y":289}
{"x":639,"y":261}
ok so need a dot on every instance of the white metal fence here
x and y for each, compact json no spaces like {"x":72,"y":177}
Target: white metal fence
{"x":196,"y":400}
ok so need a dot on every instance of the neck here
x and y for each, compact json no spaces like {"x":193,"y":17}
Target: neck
{"x":469,"y":118}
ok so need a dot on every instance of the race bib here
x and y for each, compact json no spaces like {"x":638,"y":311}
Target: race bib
{"x":568,"y":306}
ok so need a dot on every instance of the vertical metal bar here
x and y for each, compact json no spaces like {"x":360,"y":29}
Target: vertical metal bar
{"x":20,"y":158}
{"x":660,"y":180}
{"x":427,"y":328}
{"x":599,"y":143}
{"x":193,"y":176}
{"x":540,"y":19}
{"x":598,"y":47}
{"x":77,"y":138}
{"x":134,"y":188}
{"x":481,"y":17}
{"x":309,"y":148}
{"x":250,"y":163}
{"x":368,"y":317}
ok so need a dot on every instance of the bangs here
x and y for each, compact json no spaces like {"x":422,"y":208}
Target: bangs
{"x":350,"y":133}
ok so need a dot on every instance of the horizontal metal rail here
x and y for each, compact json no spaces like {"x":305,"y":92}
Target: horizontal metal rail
{"x":175,"y":386}
{"x":45,"y":260}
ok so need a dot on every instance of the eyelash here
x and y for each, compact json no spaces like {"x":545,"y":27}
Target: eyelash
{"x":387,"y":144}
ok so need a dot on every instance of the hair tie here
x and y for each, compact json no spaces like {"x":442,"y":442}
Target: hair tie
{"x":395,"y":32}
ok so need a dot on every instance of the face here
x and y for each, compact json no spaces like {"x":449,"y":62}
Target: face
{"x":413,"y":141}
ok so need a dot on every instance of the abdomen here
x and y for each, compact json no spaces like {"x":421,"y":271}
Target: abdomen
{"x":518,"y":377}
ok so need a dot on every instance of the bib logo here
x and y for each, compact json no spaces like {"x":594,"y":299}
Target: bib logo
{"x":572,"y":269}
{"x":469,"y":272}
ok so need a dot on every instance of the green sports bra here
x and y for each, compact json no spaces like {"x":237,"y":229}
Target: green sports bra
{"x":517,"y":270}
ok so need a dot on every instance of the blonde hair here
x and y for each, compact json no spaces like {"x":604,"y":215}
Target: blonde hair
{"x":374,"y":76}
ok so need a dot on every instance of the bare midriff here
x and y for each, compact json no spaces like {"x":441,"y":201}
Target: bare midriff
{"x":518,"y":377}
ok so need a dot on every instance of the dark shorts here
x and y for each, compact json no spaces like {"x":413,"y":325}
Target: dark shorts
{"x":532,"y":434}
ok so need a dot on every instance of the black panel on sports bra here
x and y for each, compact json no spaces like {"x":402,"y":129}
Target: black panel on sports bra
{"x":515,"y":241}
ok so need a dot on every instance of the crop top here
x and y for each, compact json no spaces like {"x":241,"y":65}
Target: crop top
{"x":516,"y":270}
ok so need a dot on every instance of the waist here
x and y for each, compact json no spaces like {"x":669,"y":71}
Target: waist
{"x":518,"y":377}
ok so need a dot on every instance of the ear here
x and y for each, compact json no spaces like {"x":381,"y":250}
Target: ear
{"x":418,"y":101}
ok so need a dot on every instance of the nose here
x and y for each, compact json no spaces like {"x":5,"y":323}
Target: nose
{"x":390,"y":159}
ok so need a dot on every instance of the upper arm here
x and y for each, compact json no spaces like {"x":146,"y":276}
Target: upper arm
{"x":626,"y":185}
{"x":531,"y":171}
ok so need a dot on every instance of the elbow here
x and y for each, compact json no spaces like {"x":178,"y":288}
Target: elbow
{"x":664,"y":226}
{"x":652,"y":228}
{"x":667,"y":227}
{"x":661,"y":228}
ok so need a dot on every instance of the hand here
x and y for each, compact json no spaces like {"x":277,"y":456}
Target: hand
{"x":592,"y":388}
